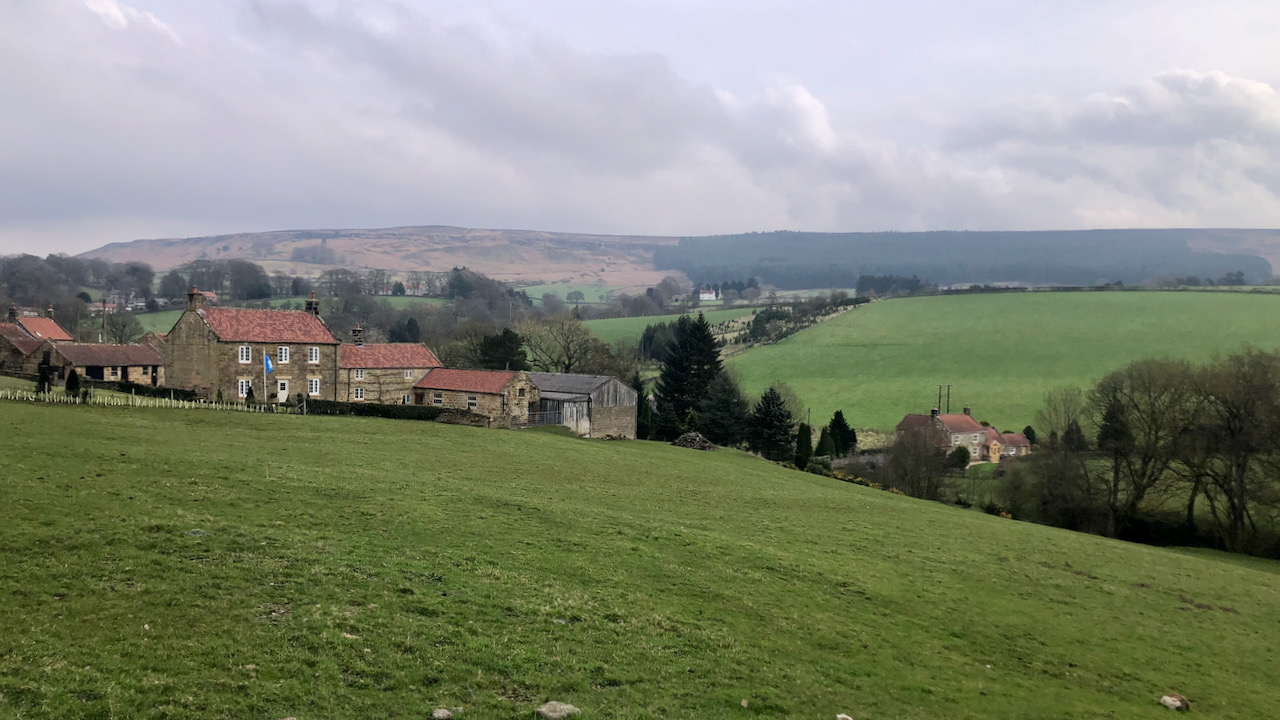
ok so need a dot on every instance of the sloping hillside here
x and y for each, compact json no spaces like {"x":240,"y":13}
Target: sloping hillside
{"x":1000,"y":353}
{"x":522,"y":256}
{"x":204,"y":564}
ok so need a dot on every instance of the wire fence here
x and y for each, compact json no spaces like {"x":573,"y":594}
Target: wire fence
{"x":118,"y":400}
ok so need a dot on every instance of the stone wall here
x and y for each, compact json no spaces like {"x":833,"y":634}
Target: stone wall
{"x":614,"y":422}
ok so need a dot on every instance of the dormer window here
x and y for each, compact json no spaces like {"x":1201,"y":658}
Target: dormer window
{"x":246,"y":354}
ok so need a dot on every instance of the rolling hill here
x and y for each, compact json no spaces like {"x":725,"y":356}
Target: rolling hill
{"x":1001,"y":352}
{"x":203,"y":565}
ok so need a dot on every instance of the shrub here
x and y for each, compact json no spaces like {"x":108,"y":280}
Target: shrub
{"x":395,"y":412}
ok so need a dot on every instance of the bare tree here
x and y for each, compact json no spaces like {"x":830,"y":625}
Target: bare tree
{"x":1062,"y":407}
{"x":916,"y":466}
{"x":560,"y":344}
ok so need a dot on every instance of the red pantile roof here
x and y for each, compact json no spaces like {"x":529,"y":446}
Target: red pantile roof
{"x":1016,"y":440}
{"x":961,"y":423}
{"x":85,"y":354}
{"x":43,"y":328}
{"x":20,"y":339}
{"x":267,"y":326}
{"x":386,"y":355}
{"x":489,"y":382}
{"x":992,"y":435}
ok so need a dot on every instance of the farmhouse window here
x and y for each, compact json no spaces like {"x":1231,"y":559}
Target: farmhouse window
{"x":244,"y":387}
{"x":520,"y":393}
{"x":359,"y":393}
{"x":359,"y":373}
{"x":313,"y":386}
{"x":115,"y":372}
{"x":437,"y":398}
{"x":246,"y":354}
{"x":282,"y":356}
{"x":408,"y":374}
{"x":405,"y":399}
{"x":313,"y":355}
{"x":471,"y":402}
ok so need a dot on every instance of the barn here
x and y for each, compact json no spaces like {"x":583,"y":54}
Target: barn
{"x":590,"y":405}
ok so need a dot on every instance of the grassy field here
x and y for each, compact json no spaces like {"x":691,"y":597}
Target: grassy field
{"x":591,"y":293}
{"x":614,"y":329}
{"x":1000,"y":353}
{"x":210,"y":565}
{"x":397,"y":301}
{"x":161,"y":322}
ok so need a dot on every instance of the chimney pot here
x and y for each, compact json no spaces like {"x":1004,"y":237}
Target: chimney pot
{"x":357,"y":335}
{"x":934,"y":412}
{"x":49,"y":312}
{"x":195,"y":300}
{"x":966,"y":410}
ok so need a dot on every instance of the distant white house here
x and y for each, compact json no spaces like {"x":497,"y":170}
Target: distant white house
{"x":706,"y":295}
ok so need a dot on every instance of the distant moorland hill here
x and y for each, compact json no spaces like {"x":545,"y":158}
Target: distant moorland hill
{"x":789,"y":260}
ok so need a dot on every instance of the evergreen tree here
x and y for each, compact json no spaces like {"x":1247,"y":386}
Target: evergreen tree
{"x":1073,"y":439}
{"x":826,"y":444}
{"x":73,"y":383}
{"x":397,"y":288}
{"x":690,"y":366}
{"x":769,"y":432}
{"x":842,"y":436}
{"x":724,"y":412}
{"x":504,"y":351}
{"x":412,"y":333}
{"x":644,"y":414}
{"x":959,"y":458}
{"x":44,"y":380}
{"x":1030,"y":434}
{"x":804,"y":446}
{"x":668,"y":426}
{"x":248,"y":398}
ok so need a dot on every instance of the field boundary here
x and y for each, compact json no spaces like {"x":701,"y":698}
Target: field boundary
{"x":140,"y":401}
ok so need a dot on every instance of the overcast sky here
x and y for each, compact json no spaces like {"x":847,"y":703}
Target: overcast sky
{"x":163,"y":118}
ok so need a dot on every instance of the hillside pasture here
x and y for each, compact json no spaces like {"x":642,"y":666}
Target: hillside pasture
{"x":613,"y":329}
{"x":210,"y":565}
{"x":999,"y":352}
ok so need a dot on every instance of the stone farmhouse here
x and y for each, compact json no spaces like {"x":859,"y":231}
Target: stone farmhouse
{"x":949,"y":431}
{"x":381,"y":372}
{"x":139,"y":364}
{"x":590,"y":405}
{"x":507,"y":398}
{"x":220,"y":351}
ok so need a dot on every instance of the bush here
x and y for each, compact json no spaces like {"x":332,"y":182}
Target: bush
{"x":159,"y":391}
{"x":395,"y":412}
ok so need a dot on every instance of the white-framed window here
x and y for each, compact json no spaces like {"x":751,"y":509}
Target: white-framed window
{"x":520,"y":393}
{"x":313,"y":355}
{"x":282,"y":356}
{"x":405,"y":399}
{"x":244,"y":387}
{"x":359,"y":373}
{"x":313,"y":386}
{"x":437,"y":398}
{"x":471,"y":402}
{"x":246,"y":354}
{"x":359,"y":393}
{"x":408,"y":374}
{"x":115,"y":372}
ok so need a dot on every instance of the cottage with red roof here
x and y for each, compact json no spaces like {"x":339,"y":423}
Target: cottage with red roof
{"x":22,"y":335}
{"x":141,"y":364}
{"x":382,"y":372}
{"x":947,"y":430}
{"x":220,"y":351}
{"x":505,"y":397}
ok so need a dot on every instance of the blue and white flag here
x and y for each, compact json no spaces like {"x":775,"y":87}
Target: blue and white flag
{"x":266,"y":363}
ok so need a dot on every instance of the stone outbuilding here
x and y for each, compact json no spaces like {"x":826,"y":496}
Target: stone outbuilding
{"x":21,"y":337}
{"x":140,"y":364}
{"x":507,"y":398}
{"x":220,"y":352}
{"x":381,"y":372}
{"x":590,"y":405}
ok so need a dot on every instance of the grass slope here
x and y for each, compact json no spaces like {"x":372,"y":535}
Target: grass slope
{"x":202,"y":564}
{"x":613,"y":329}
{"x":999,"y":352}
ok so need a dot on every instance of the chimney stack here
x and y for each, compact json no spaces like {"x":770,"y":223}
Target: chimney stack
{"x":966,"y":410}
{"x":313,"y":305}
{"x":13,"y":313}
{"x":935,"y":412}
{"x":49,"y":312}
{"x":195,"y":301}
{"x":357,"y":335}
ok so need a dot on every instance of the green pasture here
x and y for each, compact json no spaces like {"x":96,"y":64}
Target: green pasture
{"x":591,"y":293}
{"x":200,"y":564}
{"x":614,"y":329}
{"x":999,"y":353}
{"x":396,"y":301}
{"x":161,"y":322}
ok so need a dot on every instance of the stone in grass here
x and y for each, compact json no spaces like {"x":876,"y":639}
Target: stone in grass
{"x":1174,"y":701}
{"x":842,"y":716}
{"x":197,"y":532}
{"x":556,"y":711}
{"x":441,"y":714}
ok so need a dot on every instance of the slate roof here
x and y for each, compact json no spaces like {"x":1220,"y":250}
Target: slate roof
{"x":20,"y":339}
{"x":960,"y":423}
{"x":487,"y":382}
{"x":568,"y":384}
{"x":267,"y":326}
{"x":43,"y":328}
{"x":86,"y":354}
{"x":387,"y":356}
